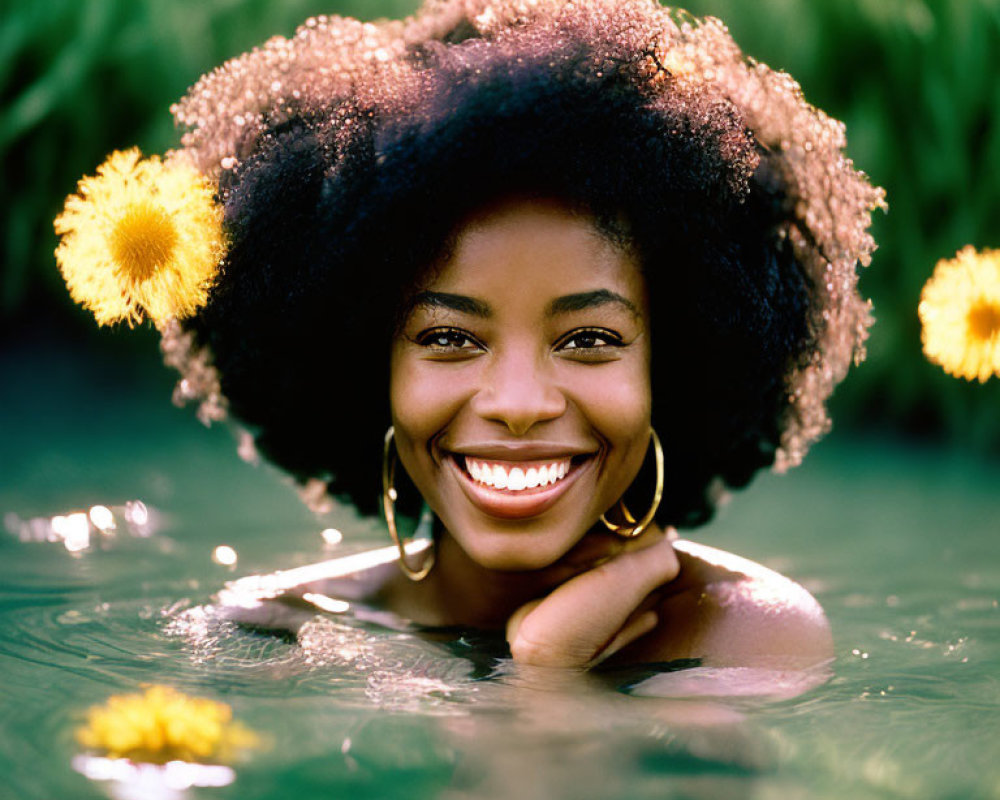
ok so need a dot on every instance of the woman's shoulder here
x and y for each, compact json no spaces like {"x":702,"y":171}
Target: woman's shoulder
{"x":726,"y":610}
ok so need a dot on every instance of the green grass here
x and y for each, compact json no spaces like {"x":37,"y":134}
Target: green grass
{"x":914,"y":80}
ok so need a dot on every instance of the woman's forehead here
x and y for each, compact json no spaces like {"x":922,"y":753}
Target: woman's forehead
{"x":536,"y":248}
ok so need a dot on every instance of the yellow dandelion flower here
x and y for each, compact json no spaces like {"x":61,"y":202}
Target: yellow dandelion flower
{"x":960,"y":313}
{"x":163,"y":724}
{"x":143,"y":236}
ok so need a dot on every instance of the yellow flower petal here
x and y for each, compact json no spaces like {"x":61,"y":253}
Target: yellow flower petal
{"x":162,"y":725}
{"x":960,"y":313}
{"x":143,"y":237}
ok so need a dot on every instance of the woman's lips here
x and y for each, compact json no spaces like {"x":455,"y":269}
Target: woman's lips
{"x":503,"y":489}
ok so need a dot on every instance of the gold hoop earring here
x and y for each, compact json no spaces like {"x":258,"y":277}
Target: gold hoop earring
{"x":633,"y":528}
{"x":424,"y":527}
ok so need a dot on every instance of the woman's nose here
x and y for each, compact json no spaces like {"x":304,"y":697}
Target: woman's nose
{"x":518,"y":392}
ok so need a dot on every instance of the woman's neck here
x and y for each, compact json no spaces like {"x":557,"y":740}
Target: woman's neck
{"x":459,"y":591}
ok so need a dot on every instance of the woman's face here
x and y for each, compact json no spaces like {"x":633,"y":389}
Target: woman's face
{"x":520,"y":384}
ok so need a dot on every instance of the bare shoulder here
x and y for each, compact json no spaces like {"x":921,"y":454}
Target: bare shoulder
{"x":286,"y":599}
{"x":730,"y":611}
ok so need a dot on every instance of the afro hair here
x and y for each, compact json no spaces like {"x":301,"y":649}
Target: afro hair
{"x":347,"y":156}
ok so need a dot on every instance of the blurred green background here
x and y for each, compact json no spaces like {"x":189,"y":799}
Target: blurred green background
{"x":916,"y":82}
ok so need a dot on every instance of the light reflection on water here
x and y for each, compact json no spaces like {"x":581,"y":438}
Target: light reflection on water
{"x":80,"y":530}
{"x":170,"y":781}
{"x":899,"y":545}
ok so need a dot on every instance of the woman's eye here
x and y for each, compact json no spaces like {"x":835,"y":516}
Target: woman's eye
{"x":591,"y":339}
{"x":448,"y":340}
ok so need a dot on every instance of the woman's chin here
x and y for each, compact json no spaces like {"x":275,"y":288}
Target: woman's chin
{"x":513,"y":556}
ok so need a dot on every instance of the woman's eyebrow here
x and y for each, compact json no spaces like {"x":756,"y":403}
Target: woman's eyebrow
{"x":456,"y":302}
{"x":584,"y":300}
{"x":561,"y":305}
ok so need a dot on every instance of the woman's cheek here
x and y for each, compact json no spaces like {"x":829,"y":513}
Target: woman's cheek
{"x":616,"y":401}
{"x":424,"y":396}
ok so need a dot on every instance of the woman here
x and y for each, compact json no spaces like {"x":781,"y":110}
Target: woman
{"x":590,"y":267}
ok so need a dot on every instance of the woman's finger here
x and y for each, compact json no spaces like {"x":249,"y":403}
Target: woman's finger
{"x":641,"y":623}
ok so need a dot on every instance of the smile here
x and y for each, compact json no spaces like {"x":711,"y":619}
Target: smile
{"x":516,"y":489}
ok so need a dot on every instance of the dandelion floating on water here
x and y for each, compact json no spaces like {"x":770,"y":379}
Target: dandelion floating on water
{"x":142,"y":237}
{"x":960,"y":313}
{"x":162,"y":725}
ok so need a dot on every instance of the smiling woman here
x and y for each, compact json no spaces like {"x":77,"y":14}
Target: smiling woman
{"x":586,"y":263}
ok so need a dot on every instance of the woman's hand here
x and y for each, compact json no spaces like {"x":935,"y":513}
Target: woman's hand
{"x":598,"y":611}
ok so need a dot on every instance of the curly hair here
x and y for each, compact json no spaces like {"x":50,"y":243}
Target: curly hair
{"x":347,"y":157}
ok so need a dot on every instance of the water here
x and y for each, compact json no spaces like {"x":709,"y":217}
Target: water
{"x":897,"y":542}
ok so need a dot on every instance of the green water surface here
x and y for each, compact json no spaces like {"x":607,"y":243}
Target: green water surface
{"x":898,"y":542}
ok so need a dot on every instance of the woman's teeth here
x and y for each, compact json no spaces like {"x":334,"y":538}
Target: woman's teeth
{"x":515,"y":479}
